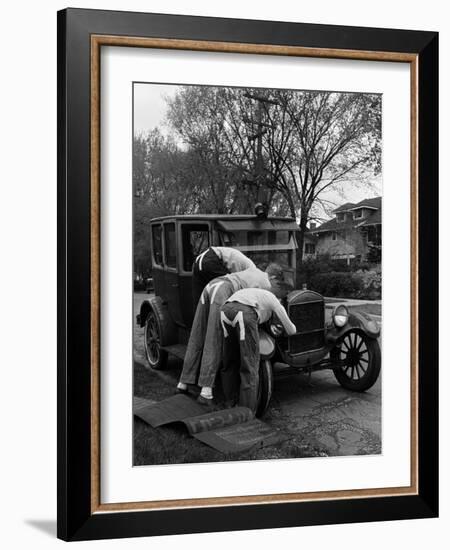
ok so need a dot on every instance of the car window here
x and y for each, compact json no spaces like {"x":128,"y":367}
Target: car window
{"x":157,"y":244}
{"x":255,"y":238}
{"x":195,"y":238}
{"x":170,"y":245}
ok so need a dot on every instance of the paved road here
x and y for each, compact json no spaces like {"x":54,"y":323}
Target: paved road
{"x":316,"y":410}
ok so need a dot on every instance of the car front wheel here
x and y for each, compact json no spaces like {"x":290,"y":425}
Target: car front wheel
{"x":265,"y":386}
{"x":156,"y":356}
{"x":359,"y":359}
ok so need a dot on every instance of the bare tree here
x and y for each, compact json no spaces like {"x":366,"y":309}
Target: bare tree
{"x":287,"y":148}
{"x":196,"y":114}
{"x":163,"y":184}
{"x":320,"y":140}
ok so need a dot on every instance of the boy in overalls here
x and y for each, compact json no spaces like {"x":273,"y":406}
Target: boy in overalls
{"x":241,"y":316}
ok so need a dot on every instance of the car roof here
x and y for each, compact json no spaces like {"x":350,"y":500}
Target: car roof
{"x":221,"y":217}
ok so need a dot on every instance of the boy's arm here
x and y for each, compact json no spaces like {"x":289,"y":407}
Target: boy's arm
{"x":282,"y":315}
{"x":246,"y":260}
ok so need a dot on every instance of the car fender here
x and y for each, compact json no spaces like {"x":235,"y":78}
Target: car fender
{"x":356,"y":320}
{"x":144,"y":310}
{"x":167,"y":327}
{"x":266,"y":345}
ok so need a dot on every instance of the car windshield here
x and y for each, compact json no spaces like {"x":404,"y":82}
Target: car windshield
{"x":263,"y":258}
{"x":264,"y":248}
{"x":282,"y":258}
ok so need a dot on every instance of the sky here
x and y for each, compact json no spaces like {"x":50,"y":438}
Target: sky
{"x":150,"y":105}
{"x":150,"y":110}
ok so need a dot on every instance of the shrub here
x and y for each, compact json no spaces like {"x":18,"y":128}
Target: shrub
{"x":331,"y":277}
{"x":321,"y":264}
{"x":361,"y":284}
{"x":371,"y":284}
{"x":335,"y":283}
{"x":374,"y":254}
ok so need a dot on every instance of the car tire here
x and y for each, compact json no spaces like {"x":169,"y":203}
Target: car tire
{"x":156,"y":356}
{"x":265,"y":387}
{"x":361,"y":357}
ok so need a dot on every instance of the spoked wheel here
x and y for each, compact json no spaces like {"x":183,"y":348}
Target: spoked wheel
{"x":156,"y":356}
{"x":360,"y":359}
{"x":265,"y":386}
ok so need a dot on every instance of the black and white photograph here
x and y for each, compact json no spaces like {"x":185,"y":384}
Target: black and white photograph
{"x":222,"y":291}
{"x":257,"y":273}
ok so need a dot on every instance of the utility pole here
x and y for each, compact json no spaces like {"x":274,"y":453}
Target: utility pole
{"x":262,"y":192}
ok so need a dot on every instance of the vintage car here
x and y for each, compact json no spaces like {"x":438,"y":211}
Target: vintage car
{"x":343,"y":341}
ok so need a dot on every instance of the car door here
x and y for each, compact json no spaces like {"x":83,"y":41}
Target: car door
{"x":158,"y":274}
{"x":171,"y":276}
{"x":195,"y":238}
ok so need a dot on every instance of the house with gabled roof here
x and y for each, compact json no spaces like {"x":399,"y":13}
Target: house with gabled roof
{"x":354,"y":232}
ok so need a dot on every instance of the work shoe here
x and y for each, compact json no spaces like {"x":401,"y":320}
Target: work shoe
{"x":182,"y":388}
{"x":205,"y":401}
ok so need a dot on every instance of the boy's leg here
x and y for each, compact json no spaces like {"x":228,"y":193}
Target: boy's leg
{"x":192,"y":359}
{"x":229,"y":372}
{"x":249,"y":367}
{"x":197,"y":286}
{"x":219,"y":291}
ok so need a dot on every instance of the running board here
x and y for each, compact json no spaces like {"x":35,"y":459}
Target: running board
{"x":283,"y":369}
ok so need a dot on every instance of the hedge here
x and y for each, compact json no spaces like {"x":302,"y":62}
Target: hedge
{"x":361,"y":284}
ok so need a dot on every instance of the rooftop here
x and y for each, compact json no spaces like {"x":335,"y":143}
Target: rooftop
{"x":374,"y":202}
{"x":374,"y":218}
{"x":345,"y":207}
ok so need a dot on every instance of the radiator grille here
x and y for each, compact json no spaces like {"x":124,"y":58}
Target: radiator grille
{"x":306,"y":342}
{"x":308,"y":317}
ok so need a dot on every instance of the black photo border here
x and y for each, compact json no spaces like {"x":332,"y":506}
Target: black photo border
{"x":80,"y":31}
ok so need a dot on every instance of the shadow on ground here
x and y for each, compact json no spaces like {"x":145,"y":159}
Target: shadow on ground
{"x":46,"y":526}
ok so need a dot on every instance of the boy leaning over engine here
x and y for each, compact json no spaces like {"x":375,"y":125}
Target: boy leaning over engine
{"x":240,"y":317}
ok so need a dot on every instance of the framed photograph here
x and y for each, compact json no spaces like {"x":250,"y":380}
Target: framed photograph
{"x":247,"y":252}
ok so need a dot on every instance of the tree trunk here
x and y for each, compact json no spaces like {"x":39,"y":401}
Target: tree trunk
{"x":301,"y":240}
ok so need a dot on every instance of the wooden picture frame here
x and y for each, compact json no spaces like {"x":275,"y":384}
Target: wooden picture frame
{"x":81,"y":35}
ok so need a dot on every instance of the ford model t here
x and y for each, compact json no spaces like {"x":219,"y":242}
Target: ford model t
{"x":343,"y":341}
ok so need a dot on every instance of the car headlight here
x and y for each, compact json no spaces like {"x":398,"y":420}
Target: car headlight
{"x":276,"y":329}
{"x":340,"y":316}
